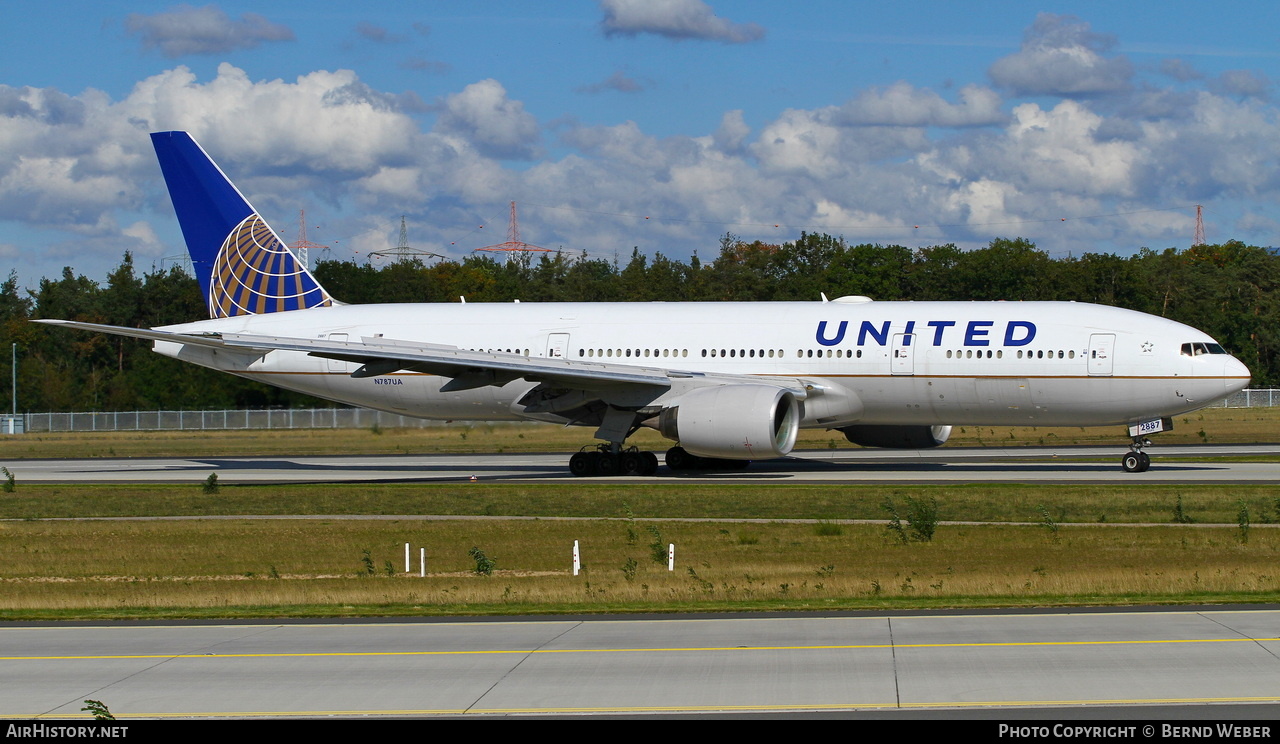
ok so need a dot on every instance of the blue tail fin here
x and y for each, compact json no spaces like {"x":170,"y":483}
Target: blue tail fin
{"x":242,"y":265}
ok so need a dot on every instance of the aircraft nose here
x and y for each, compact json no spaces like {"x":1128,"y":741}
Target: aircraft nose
{"x":1237,"y":375}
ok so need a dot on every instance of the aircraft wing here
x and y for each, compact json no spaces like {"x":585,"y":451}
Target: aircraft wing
{"x":467,"y":369}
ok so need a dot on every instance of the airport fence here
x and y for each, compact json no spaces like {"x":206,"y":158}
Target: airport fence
{"x":1260,"y":398}
{"x":282,"y":418}
{"x":322,"y":418}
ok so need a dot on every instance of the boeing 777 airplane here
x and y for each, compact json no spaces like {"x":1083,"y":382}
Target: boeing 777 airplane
{"x":728,"y":382}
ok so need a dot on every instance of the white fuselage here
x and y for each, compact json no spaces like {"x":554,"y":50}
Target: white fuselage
{"x":933,"y":363}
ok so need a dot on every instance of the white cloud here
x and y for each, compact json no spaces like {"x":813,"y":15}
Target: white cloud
{"x":818,"y":143}
{"x":732,"y":133}
{"x":674,"y":19}
{"x":960,"y":164}
{"x":1180,"y":70}
{"x":483,"y":115}
{"x":1061,"y":56}
{"x":206,"y":30}
{"x":800,"y":142}
{"x":322,"y":121}
{"x":1057,"y":149}
{"x":48,"y":190}
{"x":904,"y":105}
{"x":1243,"y":83}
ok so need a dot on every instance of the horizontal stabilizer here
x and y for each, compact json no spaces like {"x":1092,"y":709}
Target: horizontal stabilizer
{"x":212,"y":340}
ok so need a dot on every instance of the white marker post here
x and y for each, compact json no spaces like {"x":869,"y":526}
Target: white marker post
{"x":577,"y":561}
{"x":407,"y":568}
{"x":671,"y":557}
{"x":422,"y":562}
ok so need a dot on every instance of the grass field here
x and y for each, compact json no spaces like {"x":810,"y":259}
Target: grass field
{"x":349,"y":567}
{"x":997,"y":545}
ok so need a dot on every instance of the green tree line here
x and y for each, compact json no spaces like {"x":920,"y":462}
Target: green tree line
{"x":1231,"y":291}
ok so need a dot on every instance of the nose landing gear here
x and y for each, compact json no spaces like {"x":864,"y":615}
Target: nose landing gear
{"x":1135,"y":460}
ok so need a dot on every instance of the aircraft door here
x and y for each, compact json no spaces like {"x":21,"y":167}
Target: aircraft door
{"x":903,"y":362}
{"x":557,"y":345}
{"x":1101,"y":349}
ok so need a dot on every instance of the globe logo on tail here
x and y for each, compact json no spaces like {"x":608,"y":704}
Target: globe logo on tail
{"x":256,"y":273}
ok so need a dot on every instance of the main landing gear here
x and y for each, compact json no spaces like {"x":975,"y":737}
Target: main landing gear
{"x":604,"y":461}
{"x":1135,"y":460}
{"x":601,"y":460}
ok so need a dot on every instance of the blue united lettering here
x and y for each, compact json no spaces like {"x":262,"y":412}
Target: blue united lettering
{"x":944,"y":332}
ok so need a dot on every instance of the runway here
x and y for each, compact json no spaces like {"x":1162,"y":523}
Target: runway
{"x":612,"y":665}
{"x":1087,"y":465}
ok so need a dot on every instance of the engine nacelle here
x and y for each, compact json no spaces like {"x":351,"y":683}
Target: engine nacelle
{"x":897,"y":437}
{"x":734,"y":422}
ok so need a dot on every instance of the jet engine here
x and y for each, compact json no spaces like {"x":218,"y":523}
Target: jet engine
{"x":734,"y":422}
{"x":897,"y":437}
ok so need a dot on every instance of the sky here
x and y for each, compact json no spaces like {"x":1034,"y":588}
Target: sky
{"x":658,"y":125}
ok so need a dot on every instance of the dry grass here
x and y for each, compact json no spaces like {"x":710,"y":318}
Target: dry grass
{"x":664,"y":500}
{"x":203,"y":567}
{"x":1217,"y":424}
{"x":311,"y":567}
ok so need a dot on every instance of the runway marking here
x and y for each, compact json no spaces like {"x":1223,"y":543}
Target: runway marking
{"x":703,"y":649}
{"x":675,"y":708}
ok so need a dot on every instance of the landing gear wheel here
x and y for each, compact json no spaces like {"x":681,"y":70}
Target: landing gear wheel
{"x":1146,"y":461}
{"x":679,"y":459}
{"x":608,"y":464}
{"x":632,"y":463}
{"x":1133,"y":462}
{"x":650,"y":463}
{"x":580,"y":464}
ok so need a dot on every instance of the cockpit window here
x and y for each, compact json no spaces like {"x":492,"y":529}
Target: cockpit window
{"x":1199,"y":348}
